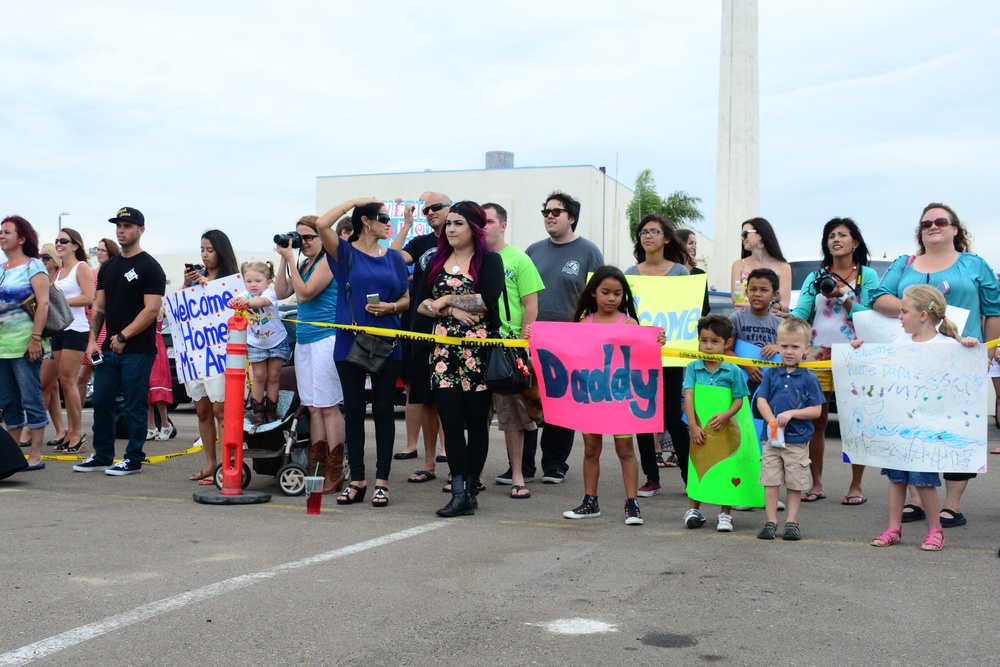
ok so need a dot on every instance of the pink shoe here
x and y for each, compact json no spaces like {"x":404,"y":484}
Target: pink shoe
{"x":888,"y":538}
{"x":650,"y":489}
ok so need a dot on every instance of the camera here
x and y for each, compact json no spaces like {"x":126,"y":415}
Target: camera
{"x":292,"y":239}
{"x":825,"y":283}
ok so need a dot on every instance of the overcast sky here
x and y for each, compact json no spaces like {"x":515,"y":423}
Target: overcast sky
{"x":222,"y":114}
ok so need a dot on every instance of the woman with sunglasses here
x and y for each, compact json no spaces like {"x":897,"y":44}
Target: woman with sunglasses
{"x":372,"y":291}
{"x":106,"y":249}
{"x":760,"y":250}
{"x":50,"y":372}
{"x":75,"y":279}
{"x":845,"y":260}
{"x":944,"y":259}
{"x":316,"y":378}
{"x":658,"y":253}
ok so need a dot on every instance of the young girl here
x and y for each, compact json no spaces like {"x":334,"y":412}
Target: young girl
{"x":920,"y":312}
{"x":607,"y":299}
{"x":161,"y":392}
{"x":267,"y":340}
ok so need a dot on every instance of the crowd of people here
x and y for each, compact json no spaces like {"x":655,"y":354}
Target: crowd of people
{"x":463,"y":279}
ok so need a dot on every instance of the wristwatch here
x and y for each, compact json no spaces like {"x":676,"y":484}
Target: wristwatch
{"x":842,"y":298}
{"x":120,"y":338}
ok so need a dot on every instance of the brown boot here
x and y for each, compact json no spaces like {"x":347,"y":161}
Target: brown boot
{"x":316,"y":454}
{"x":270,"y":410}
{"x":258,"y":412}
{"x":334,"y":470}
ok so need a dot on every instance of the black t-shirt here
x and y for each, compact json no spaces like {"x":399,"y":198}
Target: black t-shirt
{"x":126,"y":281}
{"x":421,"y":249}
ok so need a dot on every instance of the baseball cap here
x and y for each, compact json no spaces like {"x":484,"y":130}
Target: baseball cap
{"x":129,"y":214}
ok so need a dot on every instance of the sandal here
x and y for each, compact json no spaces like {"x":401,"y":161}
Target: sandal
{"x":660,"y":463}
{"x":346,"y":498}
{"x":421,"y":476}
{"x":380,"y":498}
{"x":200,"y":475}
{"x":888,"y":538}
{"x":934,"y":540}
{"x":73,"y":449}
{"x":672,"y":460}
{"x":515,"y":492}
{"x":913,"y":513}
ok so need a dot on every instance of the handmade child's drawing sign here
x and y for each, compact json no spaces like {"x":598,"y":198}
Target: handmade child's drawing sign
{"x":725,"y":470}
{"x":599,"y":378}
{"x":919,"y":407}
{"x":198,"y":319}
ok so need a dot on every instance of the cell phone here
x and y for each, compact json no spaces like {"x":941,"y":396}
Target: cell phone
{"x":373,"y":298}
{"x":96,"y":358}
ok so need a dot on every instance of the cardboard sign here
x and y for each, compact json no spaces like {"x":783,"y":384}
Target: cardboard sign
{"x":674,"y":304}
{"x":198,"y":319}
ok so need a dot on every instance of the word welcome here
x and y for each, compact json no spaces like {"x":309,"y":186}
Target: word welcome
{"x":671,"y":303}
{"x":198,"y":319}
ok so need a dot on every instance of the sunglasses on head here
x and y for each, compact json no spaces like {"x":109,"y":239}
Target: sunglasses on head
{"x":940,"y":222}
{"x":433,"y":207}
{"x":554,"y":212}
{"x":64,"y":241}
{"x":747,"y":232}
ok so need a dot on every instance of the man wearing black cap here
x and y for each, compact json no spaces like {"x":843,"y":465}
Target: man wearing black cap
{"x":130,"y":288}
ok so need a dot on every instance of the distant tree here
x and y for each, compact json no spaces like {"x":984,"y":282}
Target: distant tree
{"x":679,"y":206}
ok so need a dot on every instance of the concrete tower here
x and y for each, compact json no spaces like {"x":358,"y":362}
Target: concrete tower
{"x":737,"y":195}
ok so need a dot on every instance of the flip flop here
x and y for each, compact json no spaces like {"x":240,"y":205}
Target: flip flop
{"x":813,"y":497}
{"x":421,"y":476}
{"x":514,"y":489}
{"x":201,"y":475}
{"x":206,"y":482}
{"x":992,"y":451}
{"x":859,"y":500}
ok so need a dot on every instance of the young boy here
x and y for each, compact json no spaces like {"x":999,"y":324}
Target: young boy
{"x":715,"y":336}
{"x":792,"y":397}
{"x":756,"y":324}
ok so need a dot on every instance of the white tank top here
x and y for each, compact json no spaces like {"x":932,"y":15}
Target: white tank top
{"x":71,"y":289}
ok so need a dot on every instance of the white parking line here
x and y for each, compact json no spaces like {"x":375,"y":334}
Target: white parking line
{"x":46,"y":647}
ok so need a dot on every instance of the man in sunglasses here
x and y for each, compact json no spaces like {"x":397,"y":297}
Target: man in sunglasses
{"x":421,"y":412}
{"x":563,"y":260}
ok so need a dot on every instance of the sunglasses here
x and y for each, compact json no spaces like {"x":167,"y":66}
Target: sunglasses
{"x":308,"y":237}
{"x":45,"y":258}
{"x":64,"y":241}
{"x":434,"y":207}
{"x":554,"y":212}
{"x":940,"y":222}
{"x":747,"y":232}
{"x":385,"y":219}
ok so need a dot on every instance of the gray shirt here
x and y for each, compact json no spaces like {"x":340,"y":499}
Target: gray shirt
{"x":564,"y":268}
{"x":760,"y":331}
{"x":675,"y":270}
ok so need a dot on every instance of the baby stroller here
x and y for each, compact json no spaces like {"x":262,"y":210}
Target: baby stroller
{"x":277,"y":448}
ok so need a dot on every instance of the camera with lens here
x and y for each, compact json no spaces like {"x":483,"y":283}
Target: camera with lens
{"x":292,"y":239}
{"x":825,"y":283}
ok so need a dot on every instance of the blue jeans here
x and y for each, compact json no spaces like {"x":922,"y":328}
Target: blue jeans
{"x":128,"y":373}
{"x":21,"y":402}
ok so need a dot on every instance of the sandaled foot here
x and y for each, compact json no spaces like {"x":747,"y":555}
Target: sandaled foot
{"x":934,"y":540}
{"x":913,"y":513}
{"x":352,"y":494}
{"x":813,"y":496}
{"x":660,"y":463}
{"x":854,"y":500}
{"x":381,"y":496}
{"x":672,"y":460}
{"x":518,"y":492}
{"x":421,"y":476}
{"x":888,"y":538}
{"x":203,"y":474}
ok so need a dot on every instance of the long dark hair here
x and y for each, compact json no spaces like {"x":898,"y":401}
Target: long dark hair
{"x":369,"y":211}
{"x":683,"y":235}
{"x":862,"y":256}
{"x":587,"y":303}
{"x":767,"y":236}
{"x":672,"y":249}
{"x":24,"y":229}
{"x":74,"y":236}
{"x":476,"y":217}
{"x":224,"y":249}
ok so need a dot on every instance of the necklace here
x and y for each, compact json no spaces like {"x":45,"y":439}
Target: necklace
{"x":458,"y":266}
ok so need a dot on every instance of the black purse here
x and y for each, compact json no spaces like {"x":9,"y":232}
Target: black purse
{"x":368,"y":352}
{"x":507,"y":370}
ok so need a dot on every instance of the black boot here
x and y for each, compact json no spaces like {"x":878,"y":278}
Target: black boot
{"x":473,"y":489}
{"x":460,"y":503}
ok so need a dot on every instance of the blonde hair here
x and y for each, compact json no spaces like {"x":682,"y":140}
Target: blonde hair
{"x":928,"y":299}
{"x":795,"y":326}
{"x":266,"y":269}
{"x":50,"y":250}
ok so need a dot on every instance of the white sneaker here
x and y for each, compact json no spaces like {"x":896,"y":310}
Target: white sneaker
{"x":197,"y":443}
{"x":781,"y":506}
{"x":165,"y":432}
{"x":694,"y":519}
{"x":742,"y":508}
{"x":725,"y":523}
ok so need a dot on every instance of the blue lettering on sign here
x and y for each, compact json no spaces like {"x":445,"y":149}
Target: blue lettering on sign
{"x":184,"y":308}
{"x":677,"y":324}
{"x":602,"y":384}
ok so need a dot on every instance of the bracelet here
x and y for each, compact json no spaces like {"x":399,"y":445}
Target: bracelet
{"x":393,"y":307}
{"x":36,"y":336}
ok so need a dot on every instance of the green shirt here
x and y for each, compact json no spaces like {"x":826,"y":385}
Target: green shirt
{"x":521,"y":278}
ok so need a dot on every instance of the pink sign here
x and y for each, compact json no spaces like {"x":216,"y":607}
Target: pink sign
{"x":599,"y":378}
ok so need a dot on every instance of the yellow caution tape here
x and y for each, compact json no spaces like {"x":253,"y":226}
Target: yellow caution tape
{"x":149,"y":459}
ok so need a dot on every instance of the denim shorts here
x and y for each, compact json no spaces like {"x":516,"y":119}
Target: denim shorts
{"x":282,"y":351}
{"x":914,"y":478}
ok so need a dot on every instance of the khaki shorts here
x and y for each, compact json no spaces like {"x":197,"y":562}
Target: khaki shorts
{"x":787,"y":465}
{"x":512,"y":413}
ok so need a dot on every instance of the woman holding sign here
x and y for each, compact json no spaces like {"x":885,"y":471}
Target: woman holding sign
{"x":944,"y":260}
{"x":218,"y":261}
{"x":658,"y":253}
{"x":830,"y":296}
{"x":372,"y":292}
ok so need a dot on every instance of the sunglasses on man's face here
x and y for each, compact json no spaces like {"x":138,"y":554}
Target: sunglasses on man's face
{"x":940,"y":222}
{"x":554,"y":212}
{"x":433,"y":207}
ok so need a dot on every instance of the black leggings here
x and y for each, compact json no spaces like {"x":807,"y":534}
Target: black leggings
{"x":463,"y":411}
{"x":352,"y":380}
{"x":673,"y":381}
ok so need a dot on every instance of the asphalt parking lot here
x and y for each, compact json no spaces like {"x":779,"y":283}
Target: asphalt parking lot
{"x":114,"y":571}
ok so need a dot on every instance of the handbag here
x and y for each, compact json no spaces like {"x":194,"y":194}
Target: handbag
{"x":368,"y":352}
{"x":507,"y":371}
{"x":59,"y":315}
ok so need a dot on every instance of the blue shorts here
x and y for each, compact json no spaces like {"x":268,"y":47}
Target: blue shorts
{"x":914,"y":478}
{"x":280,"y":351}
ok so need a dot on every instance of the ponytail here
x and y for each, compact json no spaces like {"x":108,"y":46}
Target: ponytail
{"x":949,"y":329}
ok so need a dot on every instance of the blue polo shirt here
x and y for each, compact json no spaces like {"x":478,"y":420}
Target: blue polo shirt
{"x":726,"y":375}
{"x":792,"y":390}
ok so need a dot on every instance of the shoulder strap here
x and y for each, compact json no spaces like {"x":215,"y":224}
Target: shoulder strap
{"x":506,"y":305}
{"x":347,"y":283}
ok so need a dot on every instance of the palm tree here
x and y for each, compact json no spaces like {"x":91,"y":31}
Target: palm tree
{"x":679,"y":206}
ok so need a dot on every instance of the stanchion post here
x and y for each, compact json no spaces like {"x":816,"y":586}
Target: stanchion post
{"x":232,"y":428}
